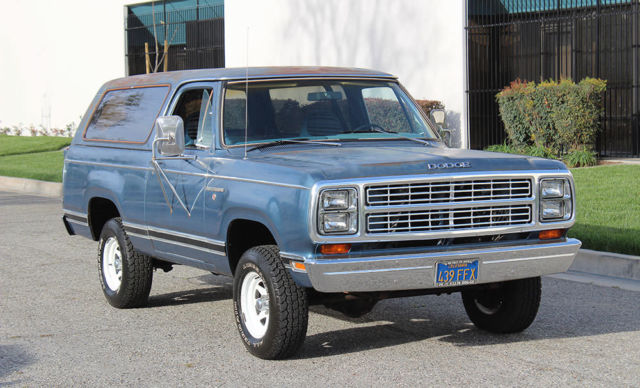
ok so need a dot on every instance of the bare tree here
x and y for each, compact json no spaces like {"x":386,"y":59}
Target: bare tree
{"x":159,"y":60}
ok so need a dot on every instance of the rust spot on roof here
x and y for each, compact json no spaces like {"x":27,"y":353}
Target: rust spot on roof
{"x":176,"y":77}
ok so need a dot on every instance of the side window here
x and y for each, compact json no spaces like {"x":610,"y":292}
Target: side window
{"x":195,"y":108}
{"x":233,"y":116}
{"x":126,"y":115}
{"x":384,"y":109}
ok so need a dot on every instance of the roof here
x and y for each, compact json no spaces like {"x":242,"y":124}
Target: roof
{"x":239,"y":73}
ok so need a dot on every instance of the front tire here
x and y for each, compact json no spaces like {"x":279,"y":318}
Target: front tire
{"x":125,"y":274}
{"x":271,"y":310}
{"x":510,"y":307}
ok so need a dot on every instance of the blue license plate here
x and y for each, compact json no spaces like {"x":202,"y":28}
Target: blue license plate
{"x":456,"y":273}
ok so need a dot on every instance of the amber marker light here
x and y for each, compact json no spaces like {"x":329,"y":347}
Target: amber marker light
{"x":299,"y":266}
{"x":335,"y":249}
{"x":550,"y":234}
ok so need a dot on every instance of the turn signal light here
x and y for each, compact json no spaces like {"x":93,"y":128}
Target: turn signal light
{"x":335,"y":249}
{"x":299,"y":266}
{"x":550,"y":234}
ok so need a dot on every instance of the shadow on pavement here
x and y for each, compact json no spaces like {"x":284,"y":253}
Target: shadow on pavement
{"x":568,"y":310}
{"x":12,"y":359}
{"x":219,"y":288}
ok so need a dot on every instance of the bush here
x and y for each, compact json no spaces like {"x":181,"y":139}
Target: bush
{"x":537,"y":151}
{"x":554,"y":117}
{"x":516,"y":111}
{"x":429,"y":105}
{"x":581,"y":158}
{"x":540,"y":152}
{"x":504,"y":148}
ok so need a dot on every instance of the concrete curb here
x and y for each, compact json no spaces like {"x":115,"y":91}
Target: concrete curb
{"x":607,"y":264}
{"x":31,"y":186}
{"x":599,"y":280}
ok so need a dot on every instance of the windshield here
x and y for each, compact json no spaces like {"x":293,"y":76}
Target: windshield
{"x":320,"y":109}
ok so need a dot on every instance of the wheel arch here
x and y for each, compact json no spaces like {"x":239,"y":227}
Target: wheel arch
{"x":243,"y":233}
{"x":100,"y":209}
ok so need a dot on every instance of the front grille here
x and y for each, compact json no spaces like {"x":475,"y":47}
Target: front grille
{"x":448,"y":191}
{"x":439,"y":220}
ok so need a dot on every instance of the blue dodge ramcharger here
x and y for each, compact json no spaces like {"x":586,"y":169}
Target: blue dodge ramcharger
{"x":308,"y":185}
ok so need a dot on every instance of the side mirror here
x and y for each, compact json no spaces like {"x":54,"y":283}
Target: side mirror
{"x":170,"y":135}
{"x":439,"y":116}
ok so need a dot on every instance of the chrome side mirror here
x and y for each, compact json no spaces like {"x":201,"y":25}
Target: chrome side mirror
{"x":439,"y":116}
{"x":170,"y":135}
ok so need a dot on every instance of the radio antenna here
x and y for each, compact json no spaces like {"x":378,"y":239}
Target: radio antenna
{"x":246,"y":96}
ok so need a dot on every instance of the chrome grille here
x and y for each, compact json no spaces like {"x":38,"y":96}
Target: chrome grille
{"x":448,"y":191}
{"x":439,"y":220}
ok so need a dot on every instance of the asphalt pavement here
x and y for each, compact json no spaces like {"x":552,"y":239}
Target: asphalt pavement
{"x":56,"y":329}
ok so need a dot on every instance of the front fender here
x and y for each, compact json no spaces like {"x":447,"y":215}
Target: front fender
{"x":283,"y":211}
{"x":238,"y":213}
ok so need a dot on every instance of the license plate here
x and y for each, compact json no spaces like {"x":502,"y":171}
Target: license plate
{"x":456,"y":273}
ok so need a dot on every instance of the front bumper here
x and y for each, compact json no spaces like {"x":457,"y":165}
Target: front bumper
{"x":418,"y":270}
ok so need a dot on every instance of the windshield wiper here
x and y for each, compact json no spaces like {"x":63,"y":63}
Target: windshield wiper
{"x":379,"y":129}
{"x":293,"y":141}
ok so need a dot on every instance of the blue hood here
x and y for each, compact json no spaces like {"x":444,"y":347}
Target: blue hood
{"x":369,"y":159}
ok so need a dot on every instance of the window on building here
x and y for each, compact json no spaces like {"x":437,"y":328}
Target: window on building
{"x":193,"y":29}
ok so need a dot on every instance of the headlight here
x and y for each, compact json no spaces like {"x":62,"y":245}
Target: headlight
{"x":556,"y":200}
{"x":552,"y":188}
{"x":335,"y":199}
{"x":335,"y":222}
{"x":551,"y":209}
{"x":338,"y":211}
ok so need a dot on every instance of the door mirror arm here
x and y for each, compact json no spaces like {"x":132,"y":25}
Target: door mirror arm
{"x":169,"y":142}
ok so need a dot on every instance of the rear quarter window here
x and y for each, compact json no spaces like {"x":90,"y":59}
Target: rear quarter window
{"x":126,"y":115}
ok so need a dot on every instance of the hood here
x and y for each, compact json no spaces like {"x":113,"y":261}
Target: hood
{"x":358,"y":160}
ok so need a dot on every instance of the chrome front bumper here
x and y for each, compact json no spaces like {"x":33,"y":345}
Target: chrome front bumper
{"x":418,"y":271}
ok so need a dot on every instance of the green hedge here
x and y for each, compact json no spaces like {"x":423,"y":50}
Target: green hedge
{"x":562,"y":117}
{"x":575,"y":158}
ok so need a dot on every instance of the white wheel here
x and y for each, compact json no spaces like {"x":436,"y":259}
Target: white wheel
{"x":125,"y":274}
{"x":254,"y":304}
{"x":112,"y":264}
{"x":271,"y":310}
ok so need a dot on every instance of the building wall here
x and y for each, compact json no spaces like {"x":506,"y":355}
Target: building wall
{"x":55,"y":56}
{"x":422,"y":42}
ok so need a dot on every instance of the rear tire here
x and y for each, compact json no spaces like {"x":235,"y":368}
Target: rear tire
{"x":125,"y":274}
{"x":271,"y":310}
{"x":509,"y":308}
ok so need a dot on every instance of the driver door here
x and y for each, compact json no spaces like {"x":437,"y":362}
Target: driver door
{"x":175,"y":197}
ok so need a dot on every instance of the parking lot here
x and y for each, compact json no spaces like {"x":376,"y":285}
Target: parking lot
{"x":56,"y":329}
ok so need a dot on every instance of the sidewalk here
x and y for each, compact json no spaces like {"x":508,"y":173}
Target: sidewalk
{"x":605,"y":269}
{"x":635,"y":161}
{"x":31,"y":186}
